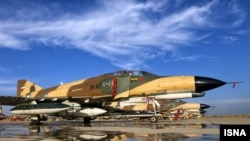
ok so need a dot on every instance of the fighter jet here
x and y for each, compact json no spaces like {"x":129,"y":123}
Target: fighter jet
{"x":168,"y":108}
{"x":98,"y":91}
{"x":174,"y":109}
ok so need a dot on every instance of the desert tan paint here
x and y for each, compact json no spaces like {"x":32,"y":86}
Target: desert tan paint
{"x":23,"y":88}
{"x":174,"y":84}
{"x":57,"y":91}
{"x":79,"y":88}
{"x":63,"y":90}
{"x":187,"y":106}
{"x":142,"y":107}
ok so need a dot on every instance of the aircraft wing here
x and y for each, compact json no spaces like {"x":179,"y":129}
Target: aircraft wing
{"x":14,"y":100}
{"x":11,"y":100}
{"x":85,"y":100}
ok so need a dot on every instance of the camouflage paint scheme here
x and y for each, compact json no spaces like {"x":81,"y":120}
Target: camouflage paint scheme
{"x":110,"y":85}
{"x":101,"y":90}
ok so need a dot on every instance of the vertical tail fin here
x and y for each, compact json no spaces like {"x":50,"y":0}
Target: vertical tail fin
{"x":25,"y":87}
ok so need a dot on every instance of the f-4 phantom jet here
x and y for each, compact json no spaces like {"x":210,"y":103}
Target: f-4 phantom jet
{"x":143,"y":107}
{"x":92,"y":95}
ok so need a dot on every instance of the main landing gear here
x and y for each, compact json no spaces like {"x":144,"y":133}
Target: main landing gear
{"x":36,"y":120}
{"x":86,"y":120}
{"x":156,"y":105}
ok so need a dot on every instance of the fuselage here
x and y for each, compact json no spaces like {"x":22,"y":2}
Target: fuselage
{"x":122,"y":84}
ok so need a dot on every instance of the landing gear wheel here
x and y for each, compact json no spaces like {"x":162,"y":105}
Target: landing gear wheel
{"x":86,"y":120}
{"x":154,"y":119}
{"x":37,"y":121}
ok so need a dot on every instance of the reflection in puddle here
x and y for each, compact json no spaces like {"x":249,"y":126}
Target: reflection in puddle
{"x":71,"y":134}
{"x":75,"y":131}
{"x":163,"y":126}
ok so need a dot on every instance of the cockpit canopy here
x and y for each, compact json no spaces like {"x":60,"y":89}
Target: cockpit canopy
{"x":131,"y":73}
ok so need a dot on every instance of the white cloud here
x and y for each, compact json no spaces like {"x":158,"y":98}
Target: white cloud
{"x":188,"y":58}
{"x":236,"y":10}
{"x":229,"y":39}
{"x":122,"y":32}
{"x":10,"y":41}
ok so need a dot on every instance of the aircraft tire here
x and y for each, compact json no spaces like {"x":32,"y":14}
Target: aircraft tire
{"x":154,"y":119}
{"x":86,"y":120}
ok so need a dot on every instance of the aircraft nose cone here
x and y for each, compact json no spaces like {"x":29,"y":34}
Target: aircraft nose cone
{"x":206,"y":83}
{"x":204,"y":106}
{"x":203,"y":111}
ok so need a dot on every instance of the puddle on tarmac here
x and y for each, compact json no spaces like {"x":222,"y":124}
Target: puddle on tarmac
{"x":68,"y":132}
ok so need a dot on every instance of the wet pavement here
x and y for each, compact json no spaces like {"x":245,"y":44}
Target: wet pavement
{"x":107,"y":130}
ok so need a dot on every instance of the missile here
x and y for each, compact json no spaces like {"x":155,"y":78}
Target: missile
{"x":179,"y":95}
{"x":41,"y":108}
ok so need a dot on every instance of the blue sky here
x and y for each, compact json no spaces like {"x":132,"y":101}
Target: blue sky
{"x":53,"y":41}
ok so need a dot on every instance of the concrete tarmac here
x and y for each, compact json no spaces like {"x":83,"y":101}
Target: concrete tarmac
{"x":205,"y":128}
